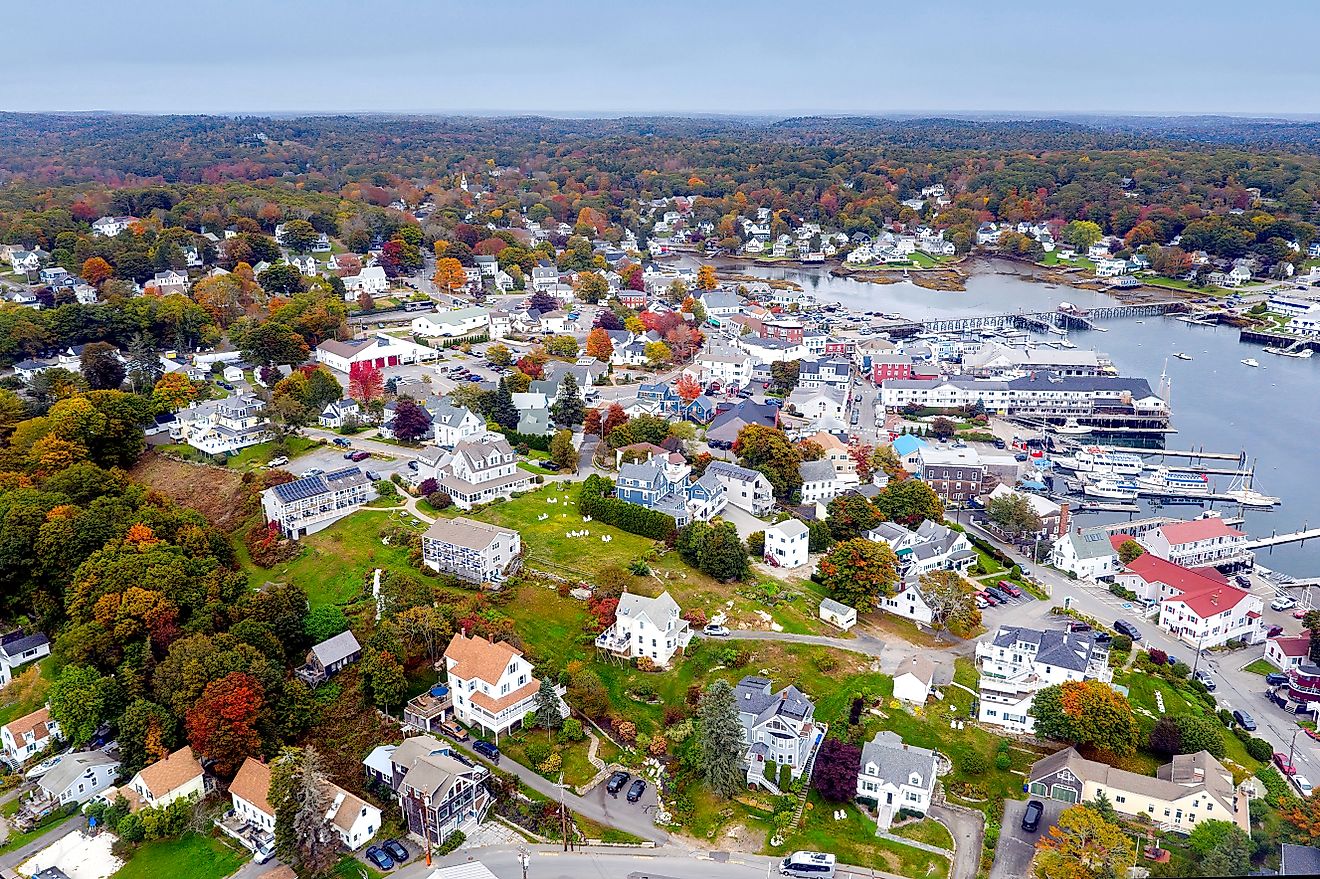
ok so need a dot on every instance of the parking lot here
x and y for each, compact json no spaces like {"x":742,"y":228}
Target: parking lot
{"x":619,"y":805}
{"x":1017,"y":846}
{"x":331,"y":457}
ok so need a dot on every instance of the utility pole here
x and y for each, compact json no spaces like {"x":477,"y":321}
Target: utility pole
{"x":1292,"y":746}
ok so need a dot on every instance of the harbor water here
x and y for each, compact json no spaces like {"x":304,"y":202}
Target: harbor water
{"x":1272,"y":413}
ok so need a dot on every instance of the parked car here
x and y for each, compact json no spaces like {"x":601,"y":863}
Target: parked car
{"x":616,"y":783}
{"x":1125,"y":628}
{"x":413,"y":466}
{"x":1103,"y":637}
{"x":278,"y":462}
{"x":981,"y":602}
{"x":715,"y":630}
{"x":341,"y":441}
{"x":1243,"y":580}
{"x":1020,"y":456}
{"x":997,"y":594}
{"x":1079,"y":627}
{"x":487,"y":750}
{"x":1204,"y":677}
{"x":1302,"y":784}
{"x":1244,"y":720}
{"x":1300,"y":613}
{"x":1275,"y":678}
{"x":990,"y":599}
{"x":373,"y":476}
{"x":226,"y":385}
{"x":1031,"y":817}
{"x":395,"y":850}
{"x":315,"y":471}
{"x":378,"y":858}
{"x":1285,"y":765}
{"x":359,"y":455}
{"x":1012,"y":590}
{"x":635,"y":790}
{"x":454,"y":731}
{"x":1283,"y":602}
{"x":1274,"y":632}
{"x":1000,"y":444}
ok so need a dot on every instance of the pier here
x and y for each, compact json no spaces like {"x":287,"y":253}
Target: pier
{"x":1178,"y":453}
{"x":1043,"y":321}
{"x":1281,"y":539}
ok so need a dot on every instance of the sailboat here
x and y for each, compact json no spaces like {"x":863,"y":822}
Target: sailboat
{"x":1241,"y":491}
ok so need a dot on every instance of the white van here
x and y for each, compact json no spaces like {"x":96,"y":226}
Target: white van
{"x":808,"y":864}
{"x":278,"y":462}
{"x":1302,"y":785}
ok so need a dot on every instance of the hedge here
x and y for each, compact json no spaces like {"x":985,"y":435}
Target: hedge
{"x":531,"y":440}
{"x":594,"y":502}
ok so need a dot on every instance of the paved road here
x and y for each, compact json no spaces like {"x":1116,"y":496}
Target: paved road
{"x":891,"y":654}
{"x":968,"y":829}
{"x":9,"y":860}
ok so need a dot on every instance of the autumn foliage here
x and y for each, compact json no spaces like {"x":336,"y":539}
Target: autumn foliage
{"x":365,"y":383}
{"x":223,"y":723}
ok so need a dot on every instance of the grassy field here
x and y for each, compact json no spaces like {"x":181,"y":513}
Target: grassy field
{"x":352,"y":868}
{"x":18,"y":839}
{"x":335,"y":564}
{"x":250,"y":458}
{"x":1260,"y":667}
{"x":853,"y":841}
{"x":193,"y":856}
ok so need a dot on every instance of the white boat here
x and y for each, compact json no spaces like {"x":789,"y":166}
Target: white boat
{"x":1250,"y":361}
{"x":1102,"y":462}
{"x":1242,"y":492}
{"x":1114,"y":489}
{"x":1164,"y":481}
{"x":1181,"y":356}
{"x":1072,"y":428}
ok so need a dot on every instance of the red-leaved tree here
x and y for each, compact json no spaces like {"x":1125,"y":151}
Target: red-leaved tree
{"x":365,"y":382}
{"x":687,"y":388}
{"x":835,"y":772}
{"x":223,"y":723}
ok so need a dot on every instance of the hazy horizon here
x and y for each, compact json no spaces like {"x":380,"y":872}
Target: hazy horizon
{"x":586,"y":58}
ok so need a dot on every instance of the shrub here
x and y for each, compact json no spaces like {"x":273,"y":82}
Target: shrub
{"x":1259,"y":749}
{"x":594,"y":500}
{"x":1158,"y":656}
{"x":1003,"y":762}
{"x":756,"y":544}
{"x":1225,"y":716}
{"x":572,"y":730}
{"x":427,"y":487}
{"x":450,"y":845}
{"x":387,"y":489}
{"x":537,"y":752}
{"x":1178,"y":670}
{"x":974,"y":764}
{"x":1121,"y":644}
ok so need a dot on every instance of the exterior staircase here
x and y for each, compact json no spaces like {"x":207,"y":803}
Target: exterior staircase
{"x":822,"y":728}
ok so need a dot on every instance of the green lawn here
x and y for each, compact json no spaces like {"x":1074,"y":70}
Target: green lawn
{"x":352,"y":868}
{"x":576,"y":769}
{"x":249,"y":458}
{"x":853,"y":841}
{"x":193,"y":856}
{"x":27,"y":692}
{"x":1179,"y":699}
{"x":335,"y":564}
{"x":1260,"y":667}
{"x":929,"y":831}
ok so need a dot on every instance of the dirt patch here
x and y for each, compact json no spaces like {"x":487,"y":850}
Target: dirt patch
{"x":216,"y":493}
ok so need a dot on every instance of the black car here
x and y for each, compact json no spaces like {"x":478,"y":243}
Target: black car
{"x":1031,"y":817}
{"x":1244,"y":720}
{"x":395,"y":850}
{"x":998,"y":594}
{"x":379,"y":858}
{"x":1123,"y":627}
{"x":1275,"y":678}
{"x":487,"y":750}
{"x":1079,"y":627}
{"x":1103,"y":637}
{"x":616,"y":783}
{"x":637,"y":789}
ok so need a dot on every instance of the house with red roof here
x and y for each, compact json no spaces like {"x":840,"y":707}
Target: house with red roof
{"x":1154,"y":579}
{"x":1289,"y":651}
{"x":1213,"y":615}
{"x":1204,"y":542}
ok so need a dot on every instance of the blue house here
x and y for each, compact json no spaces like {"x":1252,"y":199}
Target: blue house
{"x":666,"y":485}
{"x":701,"y":410}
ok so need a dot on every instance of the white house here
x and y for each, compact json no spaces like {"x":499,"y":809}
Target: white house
{"x":222,"y":427}
{"x":1203,"y":542}
{"x":778,"y":729}
{"x":447,"y":324}
{"x":818,"y":403}
{"x":470,"y":550}
{"x":381,"y":350}
{"x":453,"y":424}
{"x":914,"y":680}
{"x":646,"y":627}
{"x":306,"y":265}
{"x":908,"y":601}
{"x":492,"y":683}
{"x":1017,"y":662}
{"x":371,"y":279}
{"x":480,"y":470}
{"x":338,"y":413}
{"x":732,"y":369}
{"x":29,"y":735}
{"x":931,"y":547}
{"x":1213,"y":616}
{"x":109,"y":227}
{"x":18,"y":648}
{"x":743,"y":488}
{"x":77,"y":778}
{"x":820,"y":483}
{"x":353,"y":821}
{"x":1086,"y":553}
{"x":176,"y":777}
{"x":786,"y":544}
{"x":895,"y":776}
{"x":314,"y":503}
{"x":1289,"y":651}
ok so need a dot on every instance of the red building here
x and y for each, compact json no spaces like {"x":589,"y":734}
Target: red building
{"x":634,"y":299}
{"x":887,"y":366}
{"x":786,"y":329}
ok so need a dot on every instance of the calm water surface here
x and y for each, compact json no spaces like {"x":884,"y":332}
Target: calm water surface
{"x":1219,"y":404}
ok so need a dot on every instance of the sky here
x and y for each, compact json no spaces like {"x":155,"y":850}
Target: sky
{"x":589,"y":57}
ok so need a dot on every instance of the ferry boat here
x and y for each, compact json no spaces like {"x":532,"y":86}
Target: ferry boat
{"x":1250,"y":361}
{"x":1164,"y":481}
{"x":1181,"y":356}
{"x":1108,"y":487}
{"x":1098,"y":460}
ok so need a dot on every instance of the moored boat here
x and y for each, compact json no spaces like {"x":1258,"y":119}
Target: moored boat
{"x":1174,"y":482}
{"x":1109,"y":487}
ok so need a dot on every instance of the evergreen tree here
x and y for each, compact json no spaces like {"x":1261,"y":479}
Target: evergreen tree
{"x":721,"y":741}
{"x":298,"y":794}
{"x":503,"y":412}
{"x":568,"y":409}
{"x":547,"y":706}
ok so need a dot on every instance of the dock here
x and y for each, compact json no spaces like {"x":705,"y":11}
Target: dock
{"x":1280,"y":539}
{"x":1181,"y":453}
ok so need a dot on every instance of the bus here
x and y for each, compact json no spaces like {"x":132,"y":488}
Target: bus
{"x":809,"y":865}
{"x":418,"y":306}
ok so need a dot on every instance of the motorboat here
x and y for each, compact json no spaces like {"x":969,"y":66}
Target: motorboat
{"x":1163,"y":481}
{"x":1299,"y":353}
{"x":1182,"y":356}
{"x":1071,"y":427}
{"x":1250,"y":361}
{"x":1109,"y":487}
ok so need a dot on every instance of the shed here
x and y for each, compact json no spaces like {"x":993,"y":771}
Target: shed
{"x":914,"y":679}
{"x":838,"y":614}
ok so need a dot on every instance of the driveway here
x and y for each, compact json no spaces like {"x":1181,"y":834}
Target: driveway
{"x":1016,"y":846}
{"x":968,"y":829}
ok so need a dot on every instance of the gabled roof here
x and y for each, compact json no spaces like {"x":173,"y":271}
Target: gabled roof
{"x":336,"y":649}
{"x":1212,"y":601}
{"x":475,"y":657}
{"x":656,"y":610}
{"x":252,"y":783}
{"x":71,"y":767}
{"x":467,"y":533}
{"x":1153,"y":569}
{"x":1210,"y":527}
{"x":896,"y":762}
{"x":1062,"y":649}
{"x":817,"y":471}
{"x":753,"y":696}
{"x":38,"y":720}
{"x":172,"y":773}
{"x":733,"y":472}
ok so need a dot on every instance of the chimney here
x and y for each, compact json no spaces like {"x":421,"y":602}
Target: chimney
{"x":1063,"y":518}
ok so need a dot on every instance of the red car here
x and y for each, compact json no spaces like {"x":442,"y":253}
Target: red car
{"x":1299,"y":614}
{"x":1010,"y":588}
{"x":1281,"y":761}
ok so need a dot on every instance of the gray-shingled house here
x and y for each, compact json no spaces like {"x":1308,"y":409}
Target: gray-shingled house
{"x":895,"y":776}
{"x":778,"y":728}
{"x":330,"y":656}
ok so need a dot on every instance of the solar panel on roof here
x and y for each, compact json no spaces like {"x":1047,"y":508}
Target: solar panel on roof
{"x":301,"y":489}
